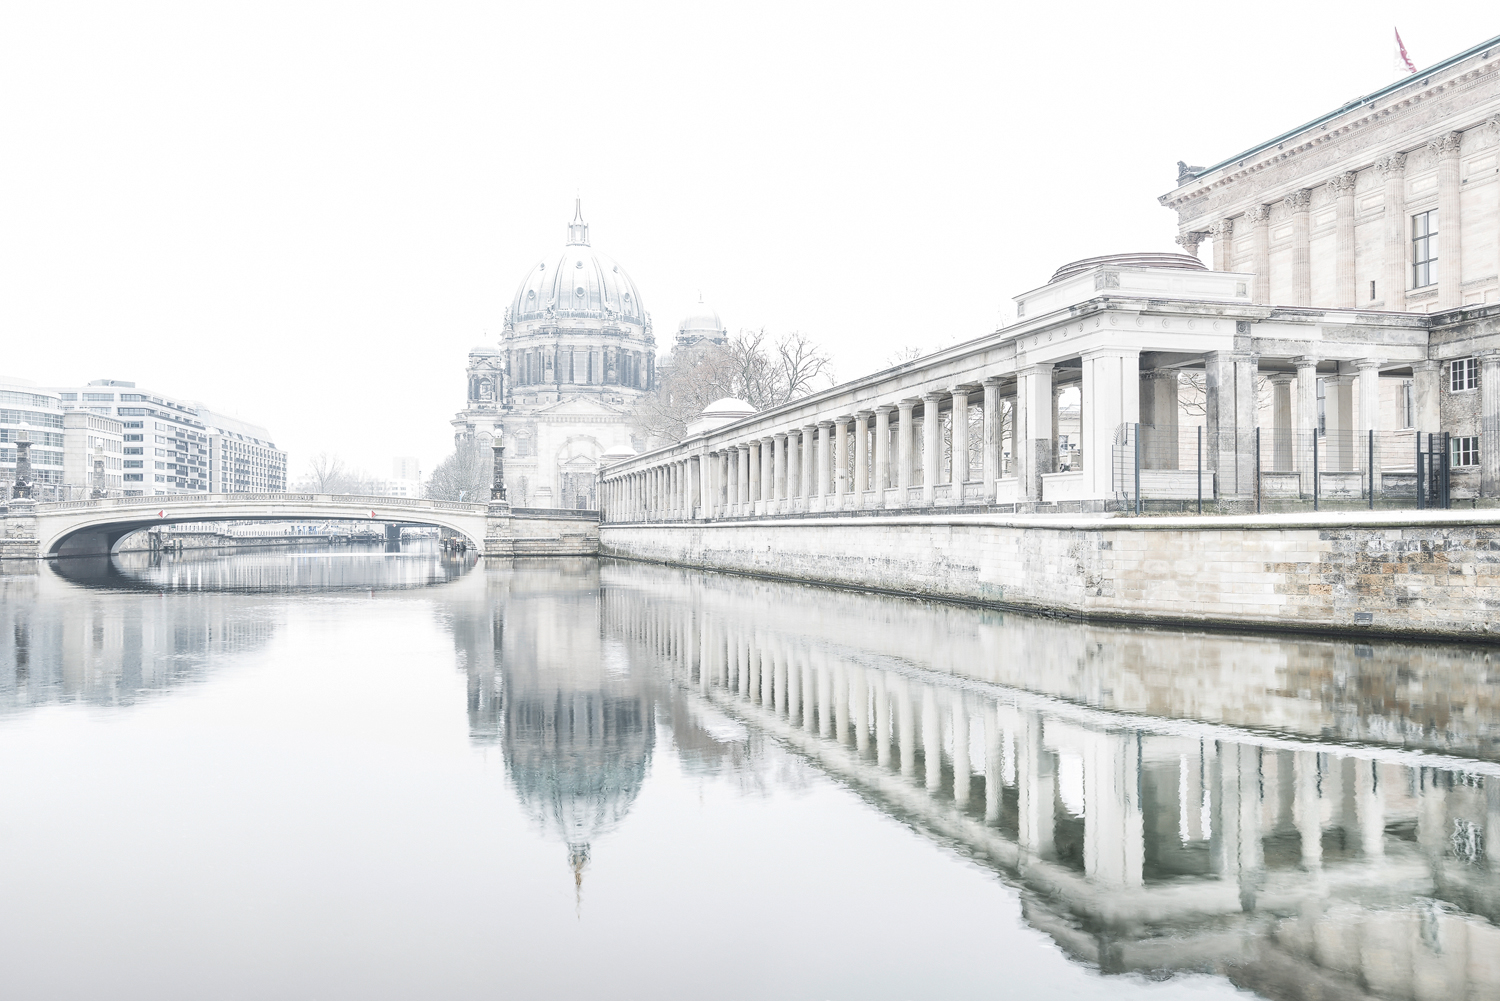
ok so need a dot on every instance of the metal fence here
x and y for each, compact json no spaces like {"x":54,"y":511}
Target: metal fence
{"x":1198,"y":469}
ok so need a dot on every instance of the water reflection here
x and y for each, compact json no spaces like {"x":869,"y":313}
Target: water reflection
{"x":311,"y":569}
{"x":98,"y":643}
{"x":1166,"y":802}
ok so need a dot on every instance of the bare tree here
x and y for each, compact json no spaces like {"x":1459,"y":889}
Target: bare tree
{"x":903,"y":355}
{"x":328,"y":473}
{"x":1192,"y":394}
{"x":746,"y":367}
{"x":463,"y":476}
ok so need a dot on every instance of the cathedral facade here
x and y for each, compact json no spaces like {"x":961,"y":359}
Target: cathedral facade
{"x":576,"y":354}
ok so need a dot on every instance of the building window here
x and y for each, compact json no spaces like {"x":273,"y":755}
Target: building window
{"x":1408,"y":401}
{"x":133,"y":477}
{"x":1463,"y":374}
{"x":1465,"y":450}
{"x":1424,"y":248}
{"x":1372,"y":291}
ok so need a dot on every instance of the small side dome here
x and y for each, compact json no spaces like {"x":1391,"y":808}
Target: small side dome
{"x":483,"y":350}
{"x":719,"y":413}
{"x":703,"y":324}
{"x":618,"y":453}
{"x":1184,"y":262}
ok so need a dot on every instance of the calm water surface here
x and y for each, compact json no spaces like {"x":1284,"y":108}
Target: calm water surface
{"x":362,"y":774}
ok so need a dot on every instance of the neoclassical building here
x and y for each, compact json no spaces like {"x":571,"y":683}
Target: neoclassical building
{"x":1391,"y":202}
{"x":576,"y":353}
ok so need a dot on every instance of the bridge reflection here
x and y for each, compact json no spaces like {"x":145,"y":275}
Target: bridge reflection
{"x":1306,"y":817}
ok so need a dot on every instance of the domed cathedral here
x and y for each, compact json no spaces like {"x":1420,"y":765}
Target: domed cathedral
{"x":701,"y":328}
{"x":576,"y":353}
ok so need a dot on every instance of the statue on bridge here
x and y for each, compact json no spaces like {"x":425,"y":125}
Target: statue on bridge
{"x":23,"y":488}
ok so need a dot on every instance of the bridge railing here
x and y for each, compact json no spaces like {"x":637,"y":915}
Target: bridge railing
{"x":342,"y":500}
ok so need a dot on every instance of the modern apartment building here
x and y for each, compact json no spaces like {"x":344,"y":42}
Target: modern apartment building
{"x":175,"y":446}
{"x":37,"y":414}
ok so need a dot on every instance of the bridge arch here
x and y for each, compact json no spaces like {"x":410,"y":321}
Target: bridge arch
{"x":95,"y":528}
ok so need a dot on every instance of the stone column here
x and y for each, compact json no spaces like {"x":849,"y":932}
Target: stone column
{"x":793,"y":468}
{"x":1306,"y":418}
{"x":757,"y":467}
{"x":1160,"y":442}
{"x":1111,"y":385}
{"x":697,"y":494}
{"x":1223,"y":236}
{"x":825,"y":462}
{"x":741,"y":479}
{"x":1229,"y":381}
{"x":1489,"y":423}
{"x":932,"y":445}
{"x":1299,"y":203}
{"x":861,"y":457}
{"x":1281,"y":422}
{"x":809,"y":466}
{"x":882,"y":452}
{"x":1338,"y":422}
{"x":1247,"y":413}
{"x":1260,"y":250}
{"x":989,"y":459}
{"x":1034,"y":429}
{"x":1450,"y":232}
{"x":840,"y":463}
{"x":1344,"y":293}
{"x":960,"y":474}
{"x":778,"y":474}
{"x":1368,"y":376}
{"x":904,"y":451}
{"x":1426,"y":381}
{"x":768,"y":474}
{"x":1393,"y":294}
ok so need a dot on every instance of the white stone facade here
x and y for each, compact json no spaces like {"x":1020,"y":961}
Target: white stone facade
{"x":1328,"y":214}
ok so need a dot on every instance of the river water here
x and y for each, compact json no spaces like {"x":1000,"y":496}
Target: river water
{"x":368,"y":774}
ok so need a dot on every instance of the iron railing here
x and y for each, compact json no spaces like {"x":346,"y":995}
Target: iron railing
{"x":1264,"y":469}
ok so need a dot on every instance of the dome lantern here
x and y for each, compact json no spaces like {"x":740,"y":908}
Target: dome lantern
{"x":578,"y":230}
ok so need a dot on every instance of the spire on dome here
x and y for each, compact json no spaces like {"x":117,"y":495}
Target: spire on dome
{"x":578,"y":230}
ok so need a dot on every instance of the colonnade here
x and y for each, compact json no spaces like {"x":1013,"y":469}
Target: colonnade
{"x":949,"y":448}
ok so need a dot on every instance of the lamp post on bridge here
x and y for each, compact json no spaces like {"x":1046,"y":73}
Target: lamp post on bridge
{"x":497,"y":488}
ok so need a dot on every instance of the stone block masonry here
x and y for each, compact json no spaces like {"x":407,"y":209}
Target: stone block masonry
{"x":1399,"y":573}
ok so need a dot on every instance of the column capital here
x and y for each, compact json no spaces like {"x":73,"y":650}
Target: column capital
{"x":1365,"y":364}
{"x":1393,"y":164}
{"x":809,"y":429}
{"x":962,"y":390}
{"x":992,"y":380}
{"x":1425,"y":366}
{"x":781,"y":434}
{"x":886,"y":408}
{"x":846,"y":419}
{"x":1259,"y":214}
{"x":1305,"y":361}
{"x":1447,"y":145}
{"x":1489,"y":359}
{"x":863,"y":415}
{"x":1159,"y":373}
{"x":824,"y":424}
{"x":1189,"y":241}
{"x":1281,"y":378}
{"x":1299,"y":200}
{"x":908,"y":403}
{"x":933,"y":395}
{"x":1040,"y":368}
{"x":1221,"y":229}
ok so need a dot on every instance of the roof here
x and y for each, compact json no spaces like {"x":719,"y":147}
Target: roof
{"x":1417,"y":78}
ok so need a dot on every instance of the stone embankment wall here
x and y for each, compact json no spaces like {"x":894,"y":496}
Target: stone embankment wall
{"x":1406,"y":573}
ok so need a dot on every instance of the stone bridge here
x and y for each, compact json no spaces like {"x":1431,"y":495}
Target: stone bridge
{"x":96,"y":527}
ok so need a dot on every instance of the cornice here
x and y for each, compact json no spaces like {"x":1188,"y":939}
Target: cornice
{"x":1326,"y":132}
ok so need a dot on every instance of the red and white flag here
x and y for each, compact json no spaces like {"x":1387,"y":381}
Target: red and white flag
{"x":1403,"y":61}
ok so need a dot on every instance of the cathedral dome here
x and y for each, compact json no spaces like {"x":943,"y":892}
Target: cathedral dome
{"x":580,"y":283}
{"x":702,"y":324}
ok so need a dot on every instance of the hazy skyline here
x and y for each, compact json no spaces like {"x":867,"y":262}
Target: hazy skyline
{"x":306,"y":215}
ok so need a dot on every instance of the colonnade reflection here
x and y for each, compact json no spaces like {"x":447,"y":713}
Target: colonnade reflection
{"x":1166,"y":801}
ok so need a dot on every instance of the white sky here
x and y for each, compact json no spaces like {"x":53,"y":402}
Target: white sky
{"x":306,"y":213}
